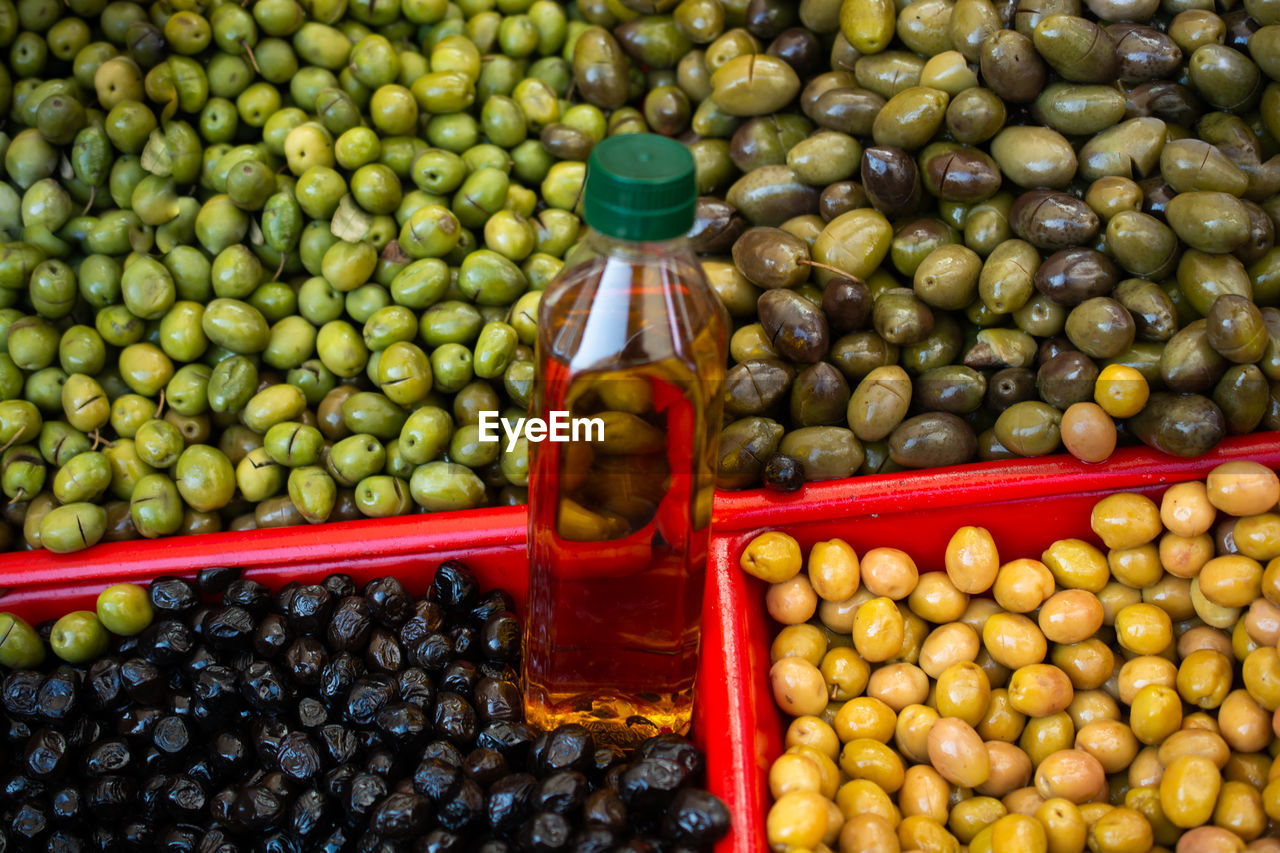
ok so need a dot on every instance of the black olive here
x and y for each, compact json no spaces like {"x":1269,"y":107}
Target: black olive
{"x":199,"y":659}
{"x":142,"y":680}
{"x":30,"y":820}
{"x":46,"y":754}
{"x":400,"y":816}
{"x":494,"y":601}
{"x":216,"y":689}
{"x":562,"y":793}
{"x":455,"y":719}
{"x":309,"y":609}
{"x":510,"y":802}
{"x":138,"y":836}
{"x":339,"y":742}
{"x":545,"y":833}
{"x":675,"y":748}
{"x":436,"y":779}
{"x":249,"y":594}
{"x":368,"y":696}
{"x":509,"y":737}
{"x":649,"y":784}
{"x":339,"y":675}
{"x":783,"y":473}
{"x":17,"y":732}
{"x":59,"y":696}
{"x":485,"y":766}
{"x":339,"y":585}
{"x":464,"y":809}
{"x":350,"y":626}
{"x":568,"y":747}
{"x":265,"y":688}
{"x":311,"y":713}
{"x":414,"y":685}
{"x":66,"y":804}
{"x":214,"y":581}
{"x":381,"y":762}
{"x":383,"y":654}
{"x":107,"y":796}
{"x":173,"y":596}
{"x":216,"y":839}
{"x":498,"y":700}
{"x":364,"y":792}
{"x":454,"y":586}
{"x":460,"y":677}
{"x":307,"y":814}
{"x":593,"y":839}
{"x":272,"y":637}
{"x":305,"y":660}
{"x":605,"y":808}
{"x":168,"y":642}
{"x":228,"y":628}
{"x":103,"y":683}
{"x":444,"y":751}
{"x":392,"y":606}
{"x":297,"y":757}
{"x":441,"y":841}
{"x":403,"y":722}
{"x":184,"y":798}
{"x":171,"y":735}
{"x":465,"y":640}
{"x":229,"y":753}
{"x":256,"y":808}
{"x":62,"y":841}
{"x":338,"y":780}
{"x":500,"y":639}
{"x":494,"y":845}
{"x":202,"y":771}
{"x":606,"y":758}
{"x":268,"y":734}
{"x":696,"y":818}
{"x":433,"y":652}
{"x":138,"y":722}
{"x":20,"y":691}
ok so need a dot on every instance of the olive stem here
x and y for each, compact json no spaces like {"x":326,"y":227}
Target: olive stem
{"x":93,"y":192}
{"x":19,"y":497}
{"x":826,"y":267}
{"x":252,"y":59}
{"x":279,"y":268}
{"x":160,"y":405}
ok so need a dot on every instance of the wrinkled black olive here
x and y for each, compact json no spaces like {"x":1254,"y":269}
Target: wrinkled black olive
{"x":649,"y":784}
{"x":309,"y":608}
{"x":368,"y":695}
{"x":486,"y":766}
{"x":214,"y":581}
{"x":498,"y":700}
{"x":594,"y":839}
{"x":465,"y":640}
{"x":545,"y":833}
{"x":695,"y":817}
{"x":339,"y":585}
{"x":464,"y":809}
{"x":168,"y":642}
{"x":228,"y":628}
{"x":174,"y":596}
{"x":403,"y":722}
{"x":171,"y":735}
{"x":509,"y":802}
{"x":568,"y":747}
{"x":433,"y":652}
{"x":400,"y":816}
{"x":500,"y":639}
{"x":562,"y":793}
{"x":20,"y":691}
{"x":383,"y":654}
{"x":142,"y":680}
{"x":454,"y":586}
{"x":461,"y":677}
{"x":184,"y":798}
{"x":46,"y":754}
{"x":414,"y":685}
{"x":494,"y":601}
{"x":350,"y":626}
{"x":103,"y":683}
{"x":391,"y":604}
{"x":340,"y":743}
{"x":307,"y":814}
{"x":513,"y":739}
{"x":305,"y":660}
{"x":249,"y":594}
{"x":59,"y":695}
{"x":297,"y":757}
{"x":605,"y":808}
{"x":265,"y":688}
{"x":436,"y":779}
{"x":311,"y":713}
{"x":272,"y":637}
{"x":364,"y":792}
{"x":455,"y":719}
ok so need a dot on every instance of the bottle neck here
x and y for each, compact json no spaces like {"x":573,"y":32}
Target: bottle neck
{"x":602,"y":244}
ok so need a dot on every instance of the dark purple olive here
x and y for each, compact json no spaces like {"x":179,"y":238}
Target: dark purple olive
{"x":465,"y":809}
{"x":783,"y":473}
{"x":174,"y":596}
{"x":500,"y":639}
{"x":339,"y":585}
{"x":309,"y":609}
{"x":272,"y":637}
{"x":485,"y":766}
{"x":696,"y":818}
{"x":454,"y":586}
{"x":249,"y":594}
{"x":351,"y":625}
{"x":228,"y":629}
{"x":391,"y":604}
{"x":216,"y":580}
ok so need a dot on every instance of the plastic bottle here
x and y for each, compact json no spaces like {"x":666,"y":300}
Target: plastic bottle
{"x":632,"y":350}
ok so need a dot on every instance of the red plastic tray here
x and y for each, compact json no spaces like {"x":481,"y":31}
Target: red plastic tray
{"x":1025,"y":503}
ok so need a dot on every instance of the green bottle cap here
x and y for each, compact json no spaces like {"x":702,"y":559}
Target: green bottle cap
{"x":640,"y":186}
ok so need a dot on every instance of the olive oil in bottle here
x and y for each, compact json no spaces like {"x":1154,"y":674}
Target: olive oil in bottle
{"x":631,"y":353}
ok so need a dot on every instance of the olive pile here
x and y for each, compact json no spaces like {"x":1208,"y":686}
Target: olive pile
{"x":935,"y":223}
{"x":325,"y":718}
{"x":1125,"y":700}
{"x":264,"y":265}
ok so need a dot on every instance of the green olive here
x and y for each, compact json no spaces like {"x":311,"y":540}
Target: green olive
{"x":79,"y":637}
